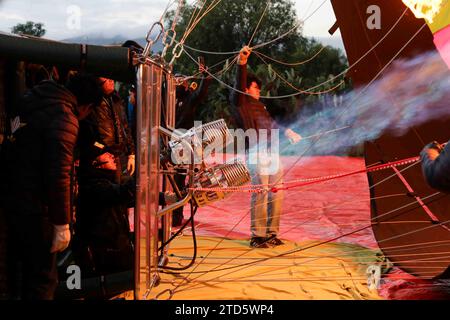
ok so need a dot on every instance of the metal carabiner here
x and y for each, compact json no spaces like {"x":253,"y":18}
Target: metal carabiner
{"x":149,"y":33}
{"x":168,"y":45}
{"x":150,"y":41}
{"x":172,"y":37}
{"x":176,"y":54}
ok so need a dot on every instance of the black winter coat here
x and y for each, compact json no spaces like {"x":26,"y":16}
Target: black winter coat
{"x":107,"y":125}
{"x":437,"y":171}
{"x":188,"y":102}
{"x":41,"y":156}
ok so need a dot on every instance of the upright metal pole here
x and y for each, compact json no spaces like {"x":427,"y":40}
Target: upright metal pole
{"x":170,"y":123}
{"x":137,"y":209}
{"x":149,"y":81}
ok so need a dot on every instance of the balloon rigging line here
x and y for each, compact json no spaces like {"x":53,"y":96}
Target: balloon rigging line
{"x":375,"y":45}
{"x":327,"y":81}
{"x":246,"y":265}
{"x":294,"y":63}
{"x":241,"y":219}
{"x":259,"y":22}
{"x":298,"y":89}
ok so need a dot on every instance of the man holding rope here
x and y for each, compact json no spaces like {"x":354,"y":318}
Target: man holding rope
{"x":250,"y":113}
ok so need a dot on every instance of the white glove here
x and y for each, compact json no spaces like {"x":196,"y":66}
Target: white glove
{"x":131,"y":165}
{"x":61,"y":238}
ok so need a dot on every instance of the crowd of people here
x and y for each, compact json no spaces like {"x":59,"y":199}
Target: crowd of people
{"x":67,"y":177}
{"x":69,"y":146}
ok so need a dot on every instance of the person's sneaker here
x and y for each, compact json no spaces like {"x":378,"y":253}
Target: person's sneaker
{"x":274,"y":241}
{"x":258,"y":242}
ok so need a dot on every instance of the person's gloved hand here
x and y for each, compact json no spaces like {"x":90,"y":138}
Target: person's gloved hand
{"x":170,"y":198}
{"x":202,"y":68}
{"x":293,"y":136}
{"x":433,"y":150}
{"x":131,"y":165}
{"x":244,"y":54}
{"x":61,"y":238}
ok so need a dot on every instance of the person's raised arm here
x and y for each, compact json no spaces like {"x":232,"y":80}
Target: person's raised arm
{"x":237,"y":98}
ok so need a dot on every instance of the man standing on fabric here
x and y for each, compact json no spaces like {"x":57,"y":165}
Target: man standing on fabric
{"x":38,"y":186}
{"x":250,"y":113}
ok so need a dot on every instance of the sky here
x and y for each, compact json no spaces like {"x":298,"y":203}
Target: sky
{"x":65,"y":19}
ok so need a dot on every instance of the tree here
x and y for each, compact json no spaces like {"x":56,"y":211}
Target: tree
{"x":231,"y":25}
{"x":30,"y":28}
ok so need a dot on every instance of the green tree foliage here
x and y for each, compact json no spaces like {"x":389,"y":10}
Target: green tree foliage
{"x":230,"y":26}
{"x":30,"y":28}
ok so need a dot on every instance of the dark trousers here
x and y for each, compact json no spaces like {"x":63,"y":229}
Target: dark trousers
{"x":32,"y":273}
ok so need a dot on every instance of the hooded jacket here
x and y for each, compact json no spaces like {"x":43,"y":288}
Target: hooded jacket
{"x":41,"y":157}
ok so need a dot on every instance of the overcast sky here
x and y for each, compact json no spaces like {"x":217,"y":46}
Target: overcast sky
{"x":130,"y":18}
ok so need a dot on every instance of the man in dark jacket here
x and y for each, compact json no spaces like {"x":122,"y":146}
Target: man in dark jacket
{"x":189,"y":97}
{"x":436,"y":165}
{"x":108,"y":126}
{"x":251,"y":114}
{"x":39,"y":164}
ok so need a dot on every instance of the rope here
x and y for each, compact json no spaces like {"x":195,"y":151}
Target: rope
{"x":195,"y":75}
{"x":245,"y":265}
{"x":294,"y":63}
{"x":191,"y":28}
{"x":193,"y":271}
{"x":329,"y":80}
{"x":259,"y":22}
{"x":297,"y":89}
{"x":204,"y":272}
{"x":291,"y":30}
{"x":358,"y":95}
{"x":262,"y":44}
{"x":192,"y":16}
{"x":303,"y":182}
{"x":166,"y":9}
{"x":369,"y":84}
